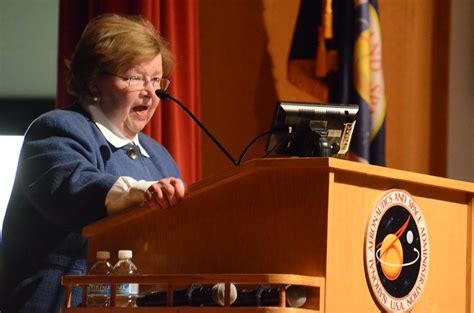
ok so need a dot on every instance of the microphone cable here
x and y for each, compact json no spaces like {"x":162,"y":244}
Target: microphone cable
{"x":244,"y":152}
{"x":164,"y":95}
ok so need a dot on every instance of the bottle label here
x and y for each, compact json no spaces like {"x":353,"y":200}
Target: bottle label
{"x":102,"y":290}
{"x":127,"y":289}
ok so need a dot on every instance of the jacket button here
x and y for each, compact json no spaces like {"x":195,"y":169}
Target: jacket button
{"x":132,"y":153}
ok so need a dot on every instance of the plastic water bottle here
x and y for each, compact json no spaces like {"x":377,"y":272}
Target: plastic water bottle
{"x":99,"y":295}
{"x":126,"y":293}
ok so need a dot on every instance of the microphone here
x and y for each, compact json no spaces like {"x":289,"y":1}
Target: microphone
{"x":195,"y":295}
{"x":204,"y":296}
{"x":164,"y":95}
{"x":159,"y":298}
{"x":270,"y":296}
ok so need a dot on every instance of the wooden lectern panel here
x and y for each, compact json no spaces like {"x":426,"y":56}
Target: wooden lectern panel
{"x":445,"y":211}
{"x":299,"y":216}
{"x":259,"y":220}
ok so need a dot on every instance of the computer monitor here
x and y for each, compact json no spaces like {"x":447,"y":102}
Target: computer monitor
{"x":312,"y":129}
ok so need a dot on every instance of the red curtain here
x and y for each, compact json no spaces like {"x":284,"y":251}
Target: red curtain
{"x":177,"y":21}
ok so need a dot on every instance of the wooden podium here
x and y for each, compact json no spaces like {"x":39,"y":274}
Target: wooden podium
{"x":299,"y":216}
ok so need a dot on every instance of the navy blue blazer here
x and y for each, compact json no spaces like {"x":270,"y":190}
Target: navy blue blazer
{"x":66,"y":168}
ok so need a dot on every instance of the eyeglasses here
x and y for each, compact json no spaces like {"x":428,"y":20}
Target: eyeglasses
{"x":139,"y":82}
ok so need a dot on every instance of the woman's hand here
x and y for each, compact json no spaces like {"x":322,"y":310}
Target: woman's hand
{"x":165,"y":193}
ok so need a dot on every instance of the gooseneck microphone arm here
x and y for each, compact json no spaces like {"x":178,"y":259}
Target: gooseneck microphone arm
{"x":164,"y":95}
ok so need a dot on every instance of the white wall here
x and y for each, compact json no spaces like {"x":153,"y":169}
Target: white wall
{"x":28,"y":54}
{"x":8,"y":164}
{"x":28,"y":48}
{"x":461,"y":92}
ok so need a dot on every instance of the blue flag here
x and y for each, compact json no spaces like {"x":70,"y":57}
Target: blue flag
{"x":356,"y":77}
{"x":368,"y":143}
{"x":359,"y":78}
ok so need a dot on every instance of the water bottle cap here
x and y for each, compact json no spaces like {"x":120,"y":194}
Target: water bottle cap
{"x":125,"y":254}
{"x":102,"y":255}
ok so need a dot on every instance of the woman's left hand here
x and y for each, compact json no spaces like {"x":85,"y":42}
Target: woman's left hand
{"x":165,"y":193}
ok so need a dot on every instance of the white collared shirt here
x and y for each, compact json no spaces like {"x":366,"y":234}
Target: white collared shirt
{"x":126,"y":192}
{"x":111,"y":133}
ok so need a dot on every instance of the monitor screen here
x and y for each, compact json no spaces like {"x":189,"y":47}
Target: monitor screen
{"x":312,"y":129}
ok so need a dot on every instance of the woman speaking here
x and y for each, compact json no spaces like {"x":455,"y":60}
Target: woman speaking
{"x":86,"y":162}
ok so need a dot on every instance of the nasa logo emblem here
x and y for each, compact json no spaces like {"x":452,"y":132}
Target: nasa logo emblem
{"x":396,"y":251}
